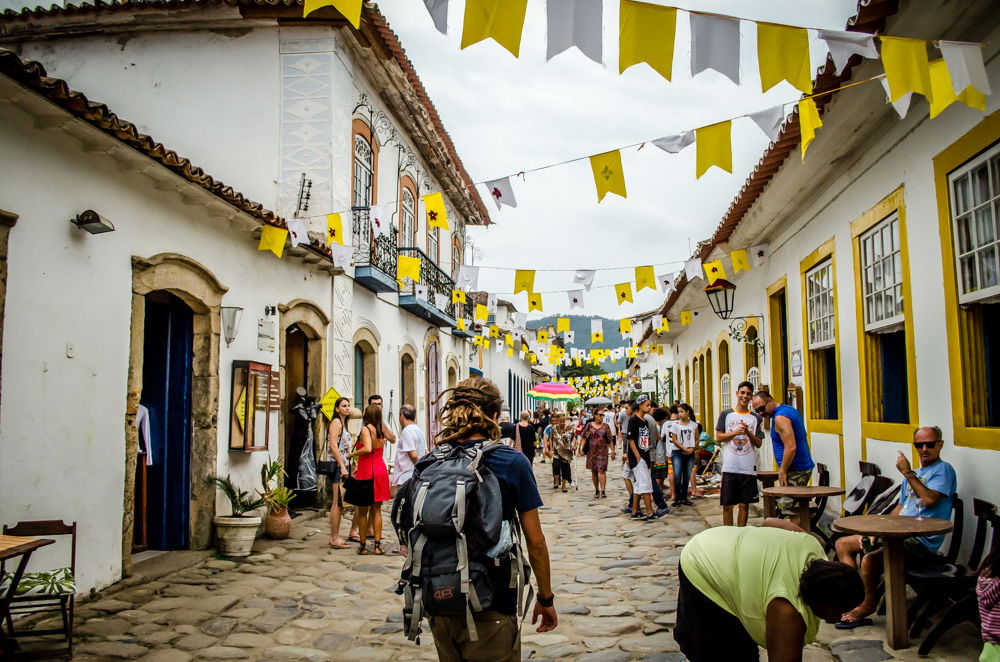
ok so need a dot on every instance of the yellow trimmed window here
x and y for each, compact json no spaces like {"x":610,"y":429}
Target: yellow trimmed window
{"x":822,"y":360}
{"x":751,"y":357}
{"x":725,"y":381}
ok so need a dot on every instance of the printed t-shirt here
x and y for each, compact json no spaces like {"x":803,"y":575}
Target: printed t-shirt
{"x":803,"y":459}
{"x":939,"y":477}
{"x":685,"y":434}
{"x":739,"y":455}
{"x":742,"y":569}
{"x":638,"y":431}
{"x":609,"y":419}
{"x":411,"y":438}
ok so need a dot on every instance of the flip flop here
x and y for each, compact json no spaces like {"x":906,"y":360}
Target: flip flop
{"x":354,"y":539}
{"x":340,"y":546}
{"x":850,"y":625}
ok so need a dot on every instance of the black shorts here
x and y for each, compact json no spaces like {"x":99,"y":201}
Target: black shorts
{"x":738,"y":488}
{"x":700,"y":622}
{"x":561,"y":468}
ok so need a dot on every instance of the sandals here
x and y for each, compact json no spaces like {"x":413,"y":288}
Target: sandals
{"x":363,"y":549}
{"x":597,"y":494}
{"x":353,"y":538}
{"x":378,"y":548}
{"x":342,"y":545}
{"x":603,"y":495}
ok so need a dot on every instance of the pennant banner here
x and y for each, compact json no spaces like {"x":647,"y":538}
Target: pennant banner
{"x":608,"y":174}
{"x":499,"y":20}
{"x":646,"y":34}
{"x":574,"y":23}
{"x":272,"y":239}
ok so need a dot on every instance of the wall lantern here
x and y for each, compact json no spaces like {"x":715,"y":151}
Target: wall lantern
{"x":721,"y":296}
{"x":93,"y":222}
{"x":231,"y":316}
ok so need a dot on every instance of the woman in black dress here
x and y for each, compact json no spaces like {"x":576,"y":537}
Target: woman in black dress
{"x":526,"y":435}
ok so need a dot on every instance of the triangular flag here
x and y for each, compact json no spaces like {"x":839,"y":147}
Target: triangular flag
{"x":460,"y":324}
{"x":667,"y":281}
{"x":468,"y":278}
{"x":809,"y":121}
{"x":715,"y":147}
{"x":623,"y":293}
{"x":842,"y":45}
{"x":740,"y":260}
{"x":625,"y":325}
{"x":494,"y":331}
{"x":334,"y":229}
{"x":644,"y":277}
{"x":535,"y":302}
{"x":482,"y":314}
{"x":570,"y":337}
{"x":597,"y":337}
{"x":943,"y":93}
{"x":661,"y":324}
{"x":596,"y":327}
{"x":501,"y":192}
{"x":715,"y":44}
{"x":685,"y":317}
{"x":714,"y":270}
{"x":510,"y":351}
{"x":419,"y":291}
{"x":608,"y":173}
{"x":542,"y":335}
{"x":491,"y":303}
{"x":965,"y":66}
{"x":437,"y":217}
{"x":524,"y":280}
{"x":901,"y":105}
{"x":769,"y":120}
{"x":906,"y":66}
{"x":783,"y":54}
{"x":575,"y":298}
{"x":501,"y":20}
{"x":351,"y":9}
{"x":646,"y":34}
{"x":692,"y":269}
{"x":438,"y":9}
{"x":630,"y":352}
{"x":440,"y":300}
{"x":675,"y":143}
{"x":458,"y":296}
{"x":381,"y":219}
{"x":759,"y":254}
{"x":408,"y":267}
{"x":574,"y":23}
{"x":520,"y":320}
{"x":508,"y":340}
{"x":562,"y":324}
{"x":297,"y":232}
{"x":341,"y":255}
{"x":584,"y":277}
{"x":272,"y":239}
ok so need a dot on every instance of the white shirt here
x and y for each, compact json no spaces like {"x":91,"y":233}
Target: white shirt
{"x":739,"y":455}
{"x":684,"y":433}
{"x":609,"y":420}
{"x":410,"y":439}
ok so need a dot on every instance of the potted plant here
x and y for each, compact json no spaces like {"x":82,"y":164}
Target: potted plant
{"x":278,"y":522}
{"x":237,"y":531}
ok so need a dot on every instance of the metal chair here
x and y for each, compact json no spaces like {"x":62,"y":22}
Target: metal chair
{"x":56,"y":593}
{"x":816,"y":510}
{"x":860,"y":500}
{"x":869,"y":468}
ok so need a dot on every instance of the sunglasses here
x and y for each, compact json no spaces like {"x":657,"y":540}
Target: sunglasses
{"x":920,"y":445}
{"x":762,"y":410}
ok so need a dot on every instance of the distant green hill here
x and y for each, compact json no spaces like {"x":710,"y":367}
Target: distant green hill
{"x":580,"y":325}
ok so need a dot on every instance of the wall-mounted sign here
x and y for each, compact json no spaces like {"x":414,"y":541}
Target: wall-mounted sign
{"x":265,"y":335}
{"x":796,"y":363}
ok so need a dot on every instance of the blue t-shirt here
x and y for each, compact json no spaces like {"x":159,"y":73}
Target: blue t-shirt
{"x":803,"y":459}
{"x":939,"y":477}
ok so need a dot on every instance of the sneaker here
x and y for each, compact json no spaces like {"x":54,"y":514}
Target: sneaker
{"x":626,"y":509}
{"x":638,"y":515}
{"x":686,"y":502}
{"x":660,"y":512}
{"x":656,"y":515}
{"x":675,"y":504}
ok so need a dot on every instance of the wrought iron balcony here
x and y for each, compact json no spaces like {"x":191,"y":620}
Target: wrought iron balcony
{"x":437,"y":283}
{"x":374,"y":257}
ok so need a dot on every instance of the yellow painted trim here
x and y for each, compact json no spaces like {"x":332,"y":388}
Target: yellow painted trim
{"x":773,"y":338}
{"x":826,"y":250}
{"x":777,"y":285}
{"x":982,"y":136}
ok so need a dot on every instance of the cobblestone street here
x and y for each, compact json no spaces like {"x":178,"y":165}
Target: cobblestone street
{"x":297,"y":600}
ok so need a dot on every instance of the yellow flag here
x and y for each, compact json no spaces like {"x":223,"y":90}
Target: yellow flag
{"x":740,"y":261}
{"x":272,"y":239}
{"x":783,"y":54}
{"x":625,"y":325}
{"x":623,"y":293}
{"x":437,"y":217}
{"x":715,"y":147}
{"x":646,"y":34}
{"x":543,"y":336}
{"x":510,"y":351}
{"x":501,"y":20}
{"x":524,"y":347}
{"x":906,"y":67}
{"x":487,"y":343}
{"x":685,"y":317}
{"x":659,"y":350}
{"x":482,"y":313}
{"x":809,"y":121}
{"x":562,"y":325}
{"x":533,"y":357}
{"x":608,"y":174}
{"x":535,"y":302}
{"x":944,"y":92}
{"x":664,"y":325}
{"x":644,"y":277}
{"x":460,"y":324}
{"x":597,"y":337}
{"x":457,"y":296}
{"x":630,"y":353}
{"x":351,"y":9}
{"x":334,"y":229}
{"x":508,"y":340}
{"x":478,"y":341}
{"x":408,"y":267}
{"x":524,"y":280}
{"x":577,"y":362}
{"x":714,"y":270}
{"x":494,"y":331}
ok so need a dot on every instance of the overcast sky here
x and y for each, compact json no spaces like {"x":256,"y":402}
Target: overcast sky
{"x":506,"y":115}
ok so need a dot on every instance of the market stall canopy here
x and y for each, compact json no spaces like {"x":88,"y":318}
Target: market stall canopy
{"x":598,"y":400}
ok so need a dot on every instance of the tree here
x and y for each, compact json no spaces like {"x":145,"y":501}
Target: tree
{"x":585,"y":370}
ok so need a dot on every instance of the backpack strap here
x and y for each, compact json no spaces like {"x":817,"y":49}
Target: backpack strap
{"x":458,"y":512}
{"x":413,"y":593}
{"x":518,"y":575}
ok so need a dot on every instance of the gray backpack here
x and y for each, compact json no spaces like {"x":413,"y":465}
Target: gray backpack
{"x":450,"y":516}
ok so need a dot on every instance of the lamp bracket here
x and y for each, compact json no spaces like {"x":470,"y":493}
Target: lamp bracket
{"x":738,"y":328}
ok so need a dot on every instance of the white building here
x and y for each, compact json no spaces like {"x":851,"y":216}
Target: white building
{"x":275,"y":106}
{"x":863,"y":309}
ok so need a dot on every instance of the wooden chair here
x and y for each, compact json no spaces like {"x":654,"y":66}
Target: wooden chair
{"x":819,"y":506}
{"x":45,"y":592}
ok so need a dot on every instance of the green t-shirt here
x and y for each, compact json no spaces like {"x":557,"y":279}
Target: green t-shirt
{"x":742,"y":569}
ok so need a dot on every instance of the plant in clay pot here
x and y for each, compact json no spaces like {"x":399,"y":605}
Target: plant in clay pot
{"x":237,"y":531}
{"x":278,"y":522}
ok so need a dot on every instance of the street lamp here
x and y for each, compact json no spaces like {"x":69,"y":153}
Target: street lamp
{"x":721,"y":296}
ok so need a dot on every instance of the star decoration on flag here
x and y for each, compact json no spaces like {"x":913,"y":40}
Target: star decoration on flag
{"x":715,"y":270}
{"x":377,"y":223}
{"x":575,"y":300}
{"x":760,"y":253}
{"x":496,"y":193}
{"x":432,"y":215}
{"x":623,"y":295}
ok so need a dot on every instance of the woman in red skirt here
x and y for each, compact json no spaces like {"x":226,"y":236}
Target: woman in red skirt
{"x":369,"y":486}
{"x":598,"y":440}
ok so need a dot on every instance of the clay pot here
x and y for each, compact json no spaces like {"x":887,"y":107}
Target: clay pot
{"x":277,"y":524}
{"x":236,"y":534}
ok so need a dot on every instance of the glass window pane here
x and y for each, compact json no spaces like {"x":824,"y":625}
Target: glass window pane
{"x":899,"y":299}
{"x":985,"y":234}
{"x":961,"y":187}
{"x":988,"y":267}
{"x":895,"y":234}
{"x":897,"y":263}
{"x":963,"y":232}
{"x":980,"y":185}
{"x":967,"y":267}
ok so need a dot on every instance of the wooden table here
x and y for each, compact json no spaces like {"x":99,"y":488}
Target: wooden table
{"x":768,"y":479}
{"x":12,"y":547}
{"x":893,"y":529}
{"x":802,"y":496}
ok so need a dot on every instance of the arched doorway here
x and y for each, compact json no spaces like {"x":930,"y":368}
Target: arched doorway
{"x":433,"y":385}
{"x":365,"y":367}
{"x":407,"y":377}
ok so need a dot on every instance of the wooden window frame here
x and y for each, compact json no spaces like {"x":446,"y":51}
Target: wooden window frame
{"x":992,"y":153}
{"x":360,"y":128}
{"x":813,"y":375}
{"x":406,"y":185}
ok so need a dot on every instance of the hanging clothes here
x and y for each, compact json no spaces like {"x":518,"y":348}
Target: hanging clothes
{"x":142,"y":425}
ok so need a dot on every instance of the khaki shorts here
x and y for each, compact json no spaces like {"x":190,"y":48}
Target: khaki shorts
{"x":499,"y":639}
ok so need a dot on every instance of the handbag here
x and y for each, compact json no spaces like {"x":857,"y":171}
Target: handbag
{"x":517,"y":437}
{"x":327,"y":467}
{"x":586,"y":442}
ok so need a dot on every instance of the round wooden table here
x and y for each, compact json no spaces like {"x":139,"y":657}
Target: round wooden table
{"x":893,"y":529}
{"x":768,"y":479}
{"x":802,"y":496}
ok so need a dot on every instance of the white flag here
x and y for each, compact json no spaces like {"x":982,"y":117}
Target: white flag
{"x":596,"y":326}
{"x":692,"y":269}
{"x":843,"y":45}
{"x":759,"y":254}
{"x":769,"y":120}
{"x":520,"y":354}
{"x":965,"y":66}
{"x":675,"y":143}
{"x":297,"y":232}
{"x":667,"y":281}
{"x":574,"y":23}
{"x":520,"y":319}
{"x":341,"y":255}
{"x":468,"y":278}
{"x":569,"y":336}
{"x":491,"y":303}
{"x":441,"y":301}
{"x":381,"y":219}
{"x":501,"y":192}
{"x":584,"y":277}
{"x":420,"y":291}
{"x":575,"y":298}
{"x":438,"y":10}
{"x":657,"y":323}
{"x":715,"y":44}
{"x":902,"y":104}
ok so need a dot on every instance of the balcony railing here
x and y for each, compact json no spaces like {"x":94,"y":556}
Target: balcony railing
{"x":374,"y":257}
{"x":437,"y":282}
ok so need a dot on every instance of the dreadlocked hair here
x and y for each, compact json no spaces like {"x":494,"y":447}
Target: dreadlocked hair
{"x":470,"y":409}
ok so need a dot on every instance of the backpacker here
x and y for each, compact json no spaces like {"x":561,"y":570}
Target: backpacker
{"x":450,"y":516}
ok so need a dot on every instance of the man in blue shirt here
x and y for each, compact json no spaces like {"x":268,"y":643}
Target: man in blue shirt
{"x":928,"y":491}
{"x":790,"y":443}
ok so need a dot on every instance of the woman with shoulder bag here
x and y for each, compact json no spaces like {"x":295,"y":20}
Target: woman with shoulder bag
{"x":369,"y":486}
{"x":599,"y":442}
{"x":337,"y":437}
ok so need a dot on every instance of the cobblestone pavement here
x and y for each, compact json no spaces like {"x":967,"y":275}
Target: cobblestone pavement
{"x":298,"y":600}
